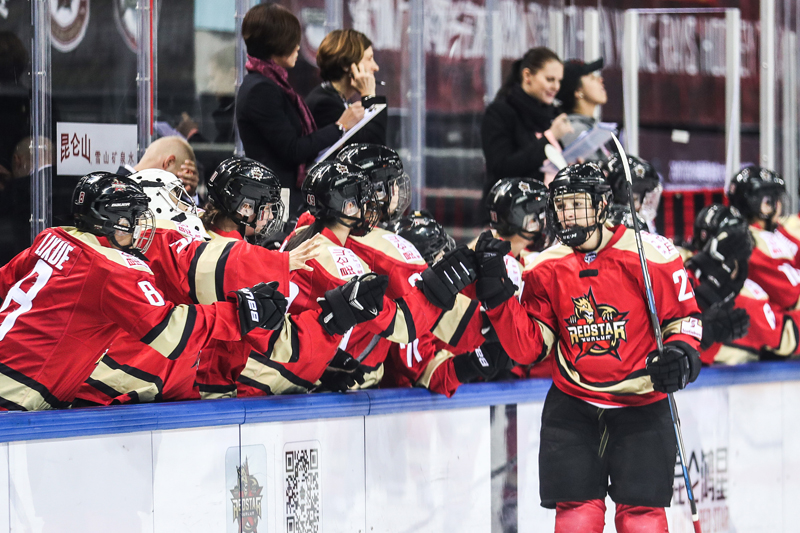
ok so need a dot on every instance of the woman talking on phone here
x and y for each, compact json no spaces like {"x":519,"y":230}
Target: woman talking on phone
{"x":523,"y":119}
{"x":347,"y":67}
{"x":275,"y":125}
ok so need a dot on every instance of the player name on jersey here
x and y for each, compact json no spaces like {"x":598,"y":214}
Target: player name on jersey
{"x":56,"y":252}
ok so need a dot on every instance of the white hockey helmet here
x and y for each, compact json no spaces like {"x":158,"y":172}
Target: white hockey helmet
{"x":169,"y":199}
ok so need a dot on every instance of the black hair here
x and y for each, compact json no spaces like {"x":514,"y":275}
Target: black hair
{"x":534,"y":59}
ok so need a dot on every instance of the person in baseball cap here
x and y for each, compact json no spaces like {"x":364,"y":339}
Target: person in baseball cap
{"x":581,"y":92}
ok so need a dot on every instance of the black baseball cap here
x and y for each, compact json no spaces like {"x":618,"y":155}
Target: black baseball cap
{"x":574,"y":70}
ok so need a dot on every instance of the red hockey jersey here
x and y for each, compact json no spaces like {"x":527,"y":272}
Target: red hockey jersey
{"x":772,"y":267}
{"x":590,"y":308}
{"x":67,"y":297}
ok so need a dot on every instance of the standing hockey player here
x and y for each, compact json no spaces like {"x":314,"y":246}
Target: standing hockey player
{"x":69,"y":294}
{"x":606,"y":426}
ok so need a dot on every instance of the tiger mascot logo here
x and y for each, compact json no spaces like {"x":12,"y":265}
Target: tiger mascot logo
{"x":596,"y":329}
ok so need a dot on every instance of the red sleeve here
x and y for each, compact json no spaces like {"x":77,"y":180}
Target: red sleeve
{"x":249,"y":265}
{"x":423,"y":362}
{"x":137,"y":306}
{"x":777,"y":277}
{"x":518,"y":323}
{"x":675,"y":304}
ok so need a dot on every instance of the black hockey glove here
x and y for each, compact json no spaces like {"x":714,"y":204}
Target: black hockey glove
{"x":485,"y":362}
{"x":678,"y":366}
{"x":357,"y":301}
{"x":260,"y":306}
{"x":343,"y":373}
{"x":720,"y":282}
{"x":723,"y":324}
{"x":493,"y":286}
{"x":444,"y":280}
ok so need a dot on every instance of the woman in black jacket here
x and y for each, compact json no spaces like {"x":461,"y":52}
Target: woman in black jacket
{"x":522,"y":119}
{"x":275,"y":125}
{"x":347,"y":67}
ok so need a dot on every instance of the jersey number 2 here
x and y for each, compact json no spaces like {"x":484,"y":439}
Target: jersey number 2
{"x":685,"y":291}
{"x":42,"y":271}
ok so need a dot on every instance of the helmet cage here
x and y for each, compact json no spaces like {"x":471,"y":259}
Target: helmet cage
{"x":255,"y":204}
{"x":585,"y":223}
{"x":392,"y":191}
{"x":110,"y":216}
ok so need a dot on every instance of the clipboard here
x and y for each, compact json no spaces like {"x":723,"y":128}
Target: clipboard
{"x":369,"y":114}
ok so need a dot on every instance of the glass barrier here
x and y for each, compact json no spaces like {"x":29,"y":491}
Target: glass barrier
{"x":16,"y":161}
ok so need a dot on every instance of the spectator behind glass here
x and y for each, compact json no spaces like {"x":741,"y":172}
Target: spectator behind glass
{"x":347,"y":66}
{"x":174,"y":155}
{"x":275,"y":124}
{"x":581,"y":92}
{"x":522,"y":119}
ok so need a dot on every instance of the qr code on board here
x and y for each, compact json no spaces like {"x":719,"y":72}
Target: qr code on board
{"x":303,"y":491}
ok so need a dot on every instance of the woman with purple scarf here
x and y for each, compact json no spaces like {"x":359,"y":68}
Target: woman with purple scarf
{"x":275,"y":125}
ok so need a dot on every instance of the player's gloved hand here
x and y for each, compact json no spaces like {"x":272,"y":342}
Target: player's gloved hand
{"x":720,"y":282}
{"x":485,"y":362}
{"x":446,"y":278}
{"x":343,"y":373}
{"x":493,"y":286}
{"x":672,"y":370}
{"x":357,"y":301}
{"x":723,"y":324}
{"x":261,"y":306}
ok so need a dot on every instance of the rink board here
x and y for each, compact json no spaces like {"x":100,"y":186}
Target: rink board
{"x":377,"y":461}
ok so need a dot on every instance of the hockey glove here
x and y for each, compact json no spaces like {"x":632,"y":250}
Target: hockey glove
{"x":343,"y":373}
{"x":485,"y":362}
{"x":723,"y":324}
{"x":493,"y":286}
{"x":672,"y":370}
{"x":719,"y":281}
{"x":444,"y":280}
{"x":357,"y":301}
{"x":260,"y":306}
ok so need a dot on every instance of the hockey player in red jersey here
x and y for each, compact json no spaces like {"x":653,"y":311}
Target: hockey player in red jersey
{"x":760,"y":195}
{"x":756,"y":329}
{"x":68,"y":295}
{"x":429,"y":362}
{"x":646,"y":184}
{"x":607,"y":414}
{"x":386,"y":253}
{"x":342,"y":201}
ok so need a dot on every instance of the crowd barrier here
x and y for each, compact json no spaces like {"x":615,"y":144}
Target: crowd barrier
{"x":377,"y":461}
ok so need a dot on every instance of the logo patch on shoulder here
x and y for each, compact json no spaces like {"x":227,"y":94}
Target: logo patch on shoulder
{"x":663,"y":245}
{"x":347,"y":262}
{"x":779,"y":246}
{"x":756,"y":290}
{"x":133,"y":262}
{"x":406,"y":250}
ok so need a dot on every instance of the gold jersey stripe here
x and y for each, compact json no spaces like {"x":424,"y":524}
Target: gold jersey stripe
{"x":440,"y":357}
{"x":636,"y":385}
{"x":22,"y":395}
{"x":112,"y":254}
{"x":123,"y":382}
{"x":177,"y":327}
{"x":205,"y":276}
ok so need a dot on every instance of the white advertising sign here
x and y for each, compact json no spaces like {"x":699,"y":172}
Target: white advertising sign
{"x":85,"y":148}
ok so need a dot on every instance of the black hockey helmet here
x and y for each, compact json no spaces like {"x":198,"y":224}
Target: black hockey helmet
{"x":575,"y":191}
{"x":425,"y":233}
{"x":341,"y":192}
{"x":385,"y":170}
{"x":757,"y":192}
{"x":713,"y":219}
{"x":107,"y":205}
{"x":248,"y":193}
{"x":518,"y":206}
{"x":645,"y":182}
{"x":619,"y":214}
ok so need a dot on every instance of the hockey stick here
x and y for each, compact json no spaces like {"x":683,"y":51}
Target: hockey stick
{"x":656,"y":324}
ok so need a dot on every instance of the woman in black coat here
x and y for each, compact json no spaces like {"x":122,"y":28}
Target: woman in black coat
{"x":347,"y":67}
{"x":522,"y":119}
{"x":275,"y":125}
